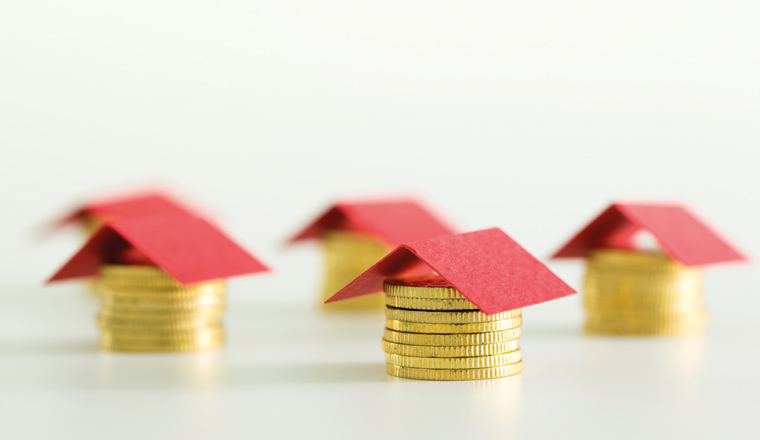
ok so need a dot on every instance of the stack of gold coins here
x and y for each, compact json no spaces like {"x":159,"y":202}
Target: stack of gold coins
{"x":642,"y":293}
{"x":348,"y":255}
{"x":145,"y":309}
{"x":434,"y":333}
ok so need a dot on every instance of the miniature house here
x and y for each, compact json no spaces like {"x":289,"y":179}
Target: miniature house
{"x":355,"y":235}
{"x":478,"y":273}
{"x":162,"y":280}
{"x":630,"y":289}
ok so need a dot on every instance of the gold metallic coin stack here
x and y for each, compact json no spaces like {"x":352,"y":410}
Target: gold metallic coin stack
{"x":145,"y":309}
{"x":348,"y":255}
{"x":434,"y":333}
{"x":642,"y":293}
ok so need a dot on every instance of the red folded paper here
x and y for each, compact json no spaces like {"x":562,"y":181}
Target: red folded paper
{"x":128,"y":206}
{"x":392,"y":222}
{"x":487,"y":267}
{"x":188,"y":248}
{"x":679,"y":233}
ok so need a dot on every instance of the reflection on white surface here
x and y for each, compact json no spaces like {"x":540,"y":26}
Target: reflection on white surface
{"x":295,"y":373}
{"x":497,"y":404}
{"x":683,"y":360}
{"x":193,"y":370}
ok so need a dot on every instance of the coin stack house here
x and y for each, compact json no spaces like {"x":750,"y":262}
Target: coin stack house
{"x":355,"y":235}
{"x":163,"y":281}
{"x":91,"y":215}
{"x":436,"y":331}
{"x":634,"y":291}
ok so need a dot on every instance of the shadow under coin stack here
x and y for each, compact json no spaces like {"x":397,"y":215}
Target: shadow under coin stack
{"x":347,"y":255}
{"x":145,"y":309}
{"x":434,"y":333}
{"x":642,"y":293}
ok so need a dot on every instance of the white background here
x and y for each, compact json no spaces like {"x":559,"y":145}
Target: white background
{"x":530,"y":116}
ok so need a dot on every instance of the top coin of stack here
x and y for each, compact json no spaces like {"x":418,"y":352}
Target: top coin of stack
{"x":642,"y":293}
{"x":145,"y":309}
{"x":347,"y":255}
{"x":434,"y":333}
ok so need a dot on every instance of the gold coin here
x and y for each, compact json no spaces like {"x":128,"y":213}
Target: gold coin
{"x":134,"y":275}
{"x":420,"y":286}
{"x":629,"y":316}
{"x":156,"y":311}
{"x":132,"y":270}
{"x":429,"y":304}
{"x":660,"y":292}
{"x":157,"y":284}
{"x":675,"y":311}
{"x":451,"y":339}
{"x":115,"y":323}
{"x":351,"y":239}
{"x":646,"y":320}
{"x":633,"y":259}
{"x":475,"y":327}
{"x":165,"y":303}
{"x":161,"y":315}
{"x":637,"y":275}
{"x":144,"y":334}
{"x":450,"y":351}
{"x":647,"y":300}
{"x":669,"y":291}
{"x":141,"y":291}
{"x":645,"y":329}
{"x":595,"y":328}
{"x":643,"y":306}
{"x":438,"y":363}
{"x":447,"y":317}
{"x":161,"y":346}
{"x":466,"y":374}
{"x":642,"y":301}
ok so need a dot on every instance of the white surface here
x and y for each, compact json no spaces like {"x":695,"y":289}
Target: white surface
{"x":291,"y":372}
{"x":530,"y":116}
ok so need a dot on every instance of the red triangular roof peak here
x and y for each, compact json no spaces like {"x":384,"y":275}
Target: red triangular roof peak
{"x":391,"y":221}
{"x":679,"y":233}
{"x":188,"y":248}
{"x":128,"y":206}
{"x":487,"y":267}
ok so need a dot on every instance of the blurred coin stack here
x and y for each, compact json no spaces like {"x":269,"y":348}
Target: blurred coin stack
{"x":145,"y":309}
{"x":347,"y":255}
{"x":642,"y":293}
{"x":434,"y":333}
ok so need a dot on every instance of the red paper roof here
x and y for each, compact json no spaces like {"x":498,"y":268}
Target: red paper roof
{"x":392,"y":222}
{"x":188,"y":248}
{"x":129,"y":206}
{"x":679,"y":233}
{"x":487,"y":267}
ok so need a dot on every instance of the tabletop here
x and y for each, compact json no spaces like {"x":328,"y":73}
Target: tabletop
{"x":292,"y":371}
